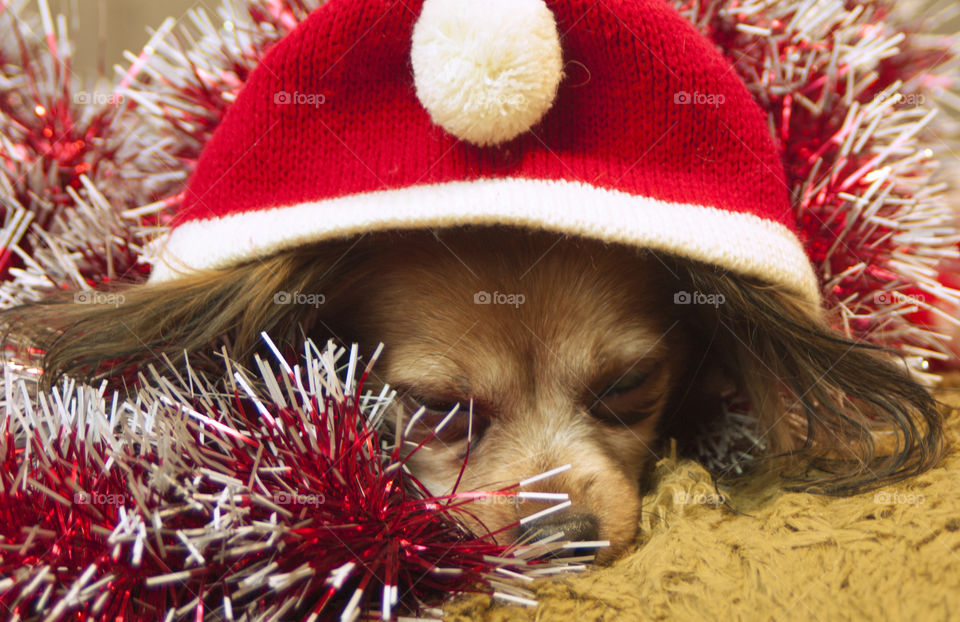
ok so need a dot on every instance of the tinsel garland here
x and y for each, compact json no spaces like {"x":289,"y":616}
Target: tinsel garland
{"x":68,"y":163}
{"x":89,"y":176}
{"x":220,"y":500}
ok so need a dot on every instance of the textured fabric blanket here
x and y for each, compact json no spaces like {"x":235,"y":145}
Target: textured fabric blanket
{"x":768,"y":554}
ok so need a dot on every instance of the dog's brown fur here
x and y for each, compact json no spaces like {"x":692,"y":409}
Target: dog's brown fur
{"x":538,"y":371}
{"x":592,"y":369}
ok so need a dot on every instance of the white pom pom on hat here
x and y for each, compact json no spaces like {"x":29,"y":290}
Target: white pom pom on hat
{"x":486,"y":71}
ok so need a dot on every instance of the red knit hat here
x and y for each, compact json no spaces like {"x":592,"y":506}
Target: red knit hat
{"x":612,"y":120}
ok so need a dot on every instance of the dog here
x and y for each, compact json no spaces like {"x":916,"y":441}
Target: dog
{"x":554,"y":350}
{"x":563,"y":353}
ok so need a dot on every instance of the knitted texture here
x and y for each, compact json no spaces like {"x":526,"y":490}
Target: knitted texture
{"x":486,"y":71}
{"x":768,"y":554}
{"x":647,"y":108}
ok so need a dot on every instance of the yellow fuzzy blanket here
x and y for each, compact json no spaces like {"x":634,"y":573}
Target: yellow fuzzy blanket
{"x":892,"y":554}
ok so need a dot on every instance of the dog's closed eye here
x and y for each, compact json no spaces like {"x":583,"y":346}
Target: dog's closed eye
{"x":628,"y":400}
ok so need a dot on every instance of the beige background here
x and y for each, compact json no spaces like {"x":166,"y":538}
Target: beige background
{"x":105,"y":28}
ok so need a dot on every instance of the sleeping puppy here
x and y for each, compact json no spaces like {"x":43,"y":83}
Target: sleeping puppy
{"x":558,"y":350}
{"x":565,"y":353}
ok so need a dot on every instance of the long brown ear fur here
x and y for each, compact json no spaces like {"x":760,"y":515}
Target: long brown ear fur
{"x":837,"y":416}
{"x":146,"y":323}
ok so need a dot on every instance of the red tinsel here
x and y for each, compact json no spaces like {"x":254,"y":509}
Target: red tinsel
{"x":104,"y":502}
{"x":62,"y":151}
{"x":220,"y":505}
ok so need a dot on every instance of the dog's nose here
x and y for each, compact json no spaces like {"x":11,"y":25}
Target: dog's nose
{"x":578,"y":526}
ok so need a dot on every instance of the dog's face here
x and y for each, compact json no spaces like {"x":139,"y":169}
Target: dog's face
{"x":566,"y":350}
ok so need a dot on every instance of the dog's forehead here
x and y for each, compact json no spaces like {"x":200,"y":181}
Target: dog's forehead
{"x":469,"y":317}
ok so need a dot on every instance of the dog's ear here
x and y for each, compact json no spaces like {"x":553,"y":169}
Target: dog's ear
{"x":695,"y":396}
{"x":821,"y":400}
{"x":286,"y":295}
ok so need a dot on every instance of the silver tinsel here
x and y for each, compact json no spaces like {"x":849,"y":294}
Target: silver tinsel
{"x":181,"y":499}
{"x":81,"y":205}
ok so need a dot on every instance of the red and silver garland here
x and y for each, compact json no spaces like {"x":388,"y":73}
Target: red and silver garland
{"x":88,"y":177}
{"x":226,"y":501}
